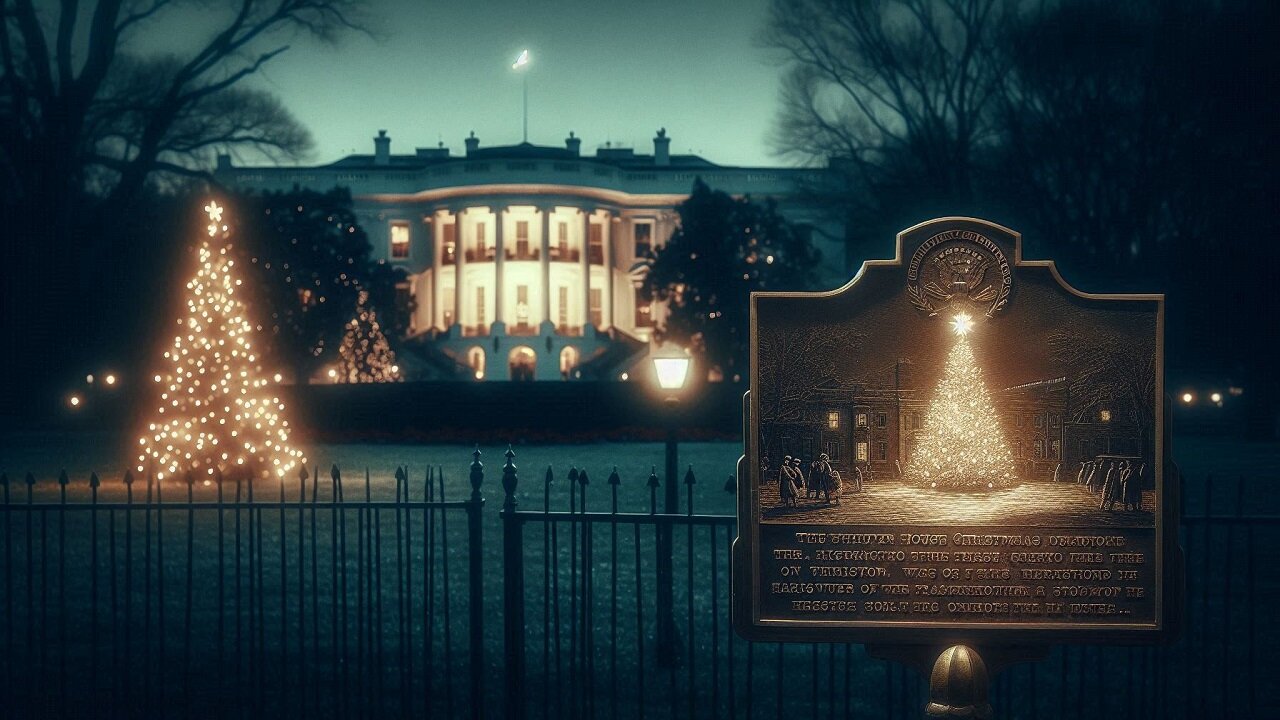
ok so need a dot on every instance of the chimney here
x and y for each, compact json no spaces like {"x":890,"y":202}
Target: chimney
{"x":224,"y":161}
{"x":382,"y":149}
{"x":573,"y":143}
{"x":473,"y":142}
{"x":662,"y":148}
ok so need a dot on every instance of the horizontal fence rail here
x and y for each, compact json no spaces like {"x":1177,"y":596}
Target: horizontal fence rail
{"x":333,"y":597}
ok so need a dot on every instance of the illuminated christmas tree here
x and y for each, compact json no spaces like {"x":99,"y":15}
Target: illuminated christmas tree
{"x":962,"y":446}
{"x":217,"y":410}
{"x":365,"y":356}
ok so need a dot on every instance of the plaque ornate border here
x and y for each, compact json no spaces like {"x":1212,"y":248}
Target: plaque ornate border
{"x":1169,"y":563}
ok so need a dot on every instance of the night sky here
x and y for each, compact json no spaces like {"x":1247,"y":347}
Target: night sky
{"x":610,"y":71}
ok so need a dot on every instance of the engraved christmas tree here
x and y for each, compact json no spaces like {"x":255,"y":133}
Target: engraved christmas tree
{"x":962,"y":446}
{"x":365,"y":356}
{"x":217,"y":410}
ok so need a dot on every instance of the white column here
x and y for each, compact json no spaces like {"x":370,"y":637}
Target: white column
{"x":500,"y":258}
{"x":606,"y":300}
{"x":545,"y":259}
{"x":437,"y":263}
{"x":586,"y":269}
{"x":461,"y":256}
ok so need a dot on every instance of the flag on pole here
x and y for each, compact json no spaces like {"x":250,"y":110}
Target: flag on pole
{"x":521,"y":61}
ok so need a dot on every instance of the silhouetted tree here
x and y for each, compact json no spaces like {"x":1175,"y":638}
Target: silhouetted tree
{"x":724,"y":249}
{"x":308,"y":261}
{"x":86,"y":126}
{"x":896,"y":95}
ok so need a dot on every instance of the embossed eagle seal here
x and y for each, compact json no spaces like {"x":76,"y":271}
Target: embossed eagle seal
{"x":959,"y":268}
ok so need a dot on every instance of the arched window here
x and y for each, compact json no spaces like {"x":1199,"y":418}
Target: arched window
{"x":475,"y":358}
{"x":522,"y":363}
{"x":568,"y":360}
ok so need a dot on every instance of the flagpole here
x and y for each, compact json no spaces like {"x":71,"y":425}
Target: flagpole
{"x":526,"y":106}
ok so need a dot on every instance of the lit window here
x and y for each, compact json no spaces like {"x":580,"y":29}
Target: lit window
{"x":595,"y":244}
{"x":399,"y":240}
{"x":1039,"y":445}
{"x":522,"y":238}
{"x":568,"y":360}
{"x":833,"y":419}
{"x":597,"y":312}
{"x":862,"y":419}
{"x":644,"y":238}
{"x":1104,"y":415}
{"x":862,"y":452}
{"x":1055,"y":450}
{"x":480,"y":314}
{"x":562,"y":307}
{"x":450,"y":253}
{"x":522,"y":305}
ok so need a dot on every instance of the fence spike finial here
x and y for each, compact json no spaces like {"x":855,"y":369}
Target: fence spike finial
{"x":688,"y":476}
{"x":653,"y":476}
{"x":334,"y":473}
{"x":613,"y":477}
{"x":509,"y":481}
{"x":731,"y":485}
{"x":62,"y":478}
{"x":302,"y":473}
{"x":31,"y":479}
{"x":573,"y":476}
{"x":550,"y":475}
{"x":477,"y":474}
{"x":93,"y":480}
{"x":191,"y":480}
{"x":128,"y":477}
{"x":583,"y":480}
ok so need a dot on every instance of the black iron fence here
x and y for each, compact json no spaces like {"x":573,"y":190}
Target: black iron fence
{"x":231,"y":597}
{"x":333,"y":598}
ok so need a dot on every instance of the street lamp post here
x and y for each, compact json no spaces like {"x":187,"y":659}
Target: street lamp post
{"x":671,"y":372}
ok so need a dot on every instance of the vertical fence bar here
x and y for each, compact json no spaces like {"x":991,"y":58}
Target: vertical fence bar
{"x":160,"y":614}
{"x":284,"y":607}
{"x":428,"y":589}
{"x":222,"y":581}
{"x":574,"y":670}
{"x":512,"y":593}
{"x":690,"y":660}
{"x":62,"y":590}
{"x":337,"y":579}
{"x":446,"y":595}
{"x":303,"y":663}
{"x":614,"y":481}
{"x":93,"y":581}
{"x":315,"y":588}
{"x":8,"y":588}
{"x":476,"y":582}
{"x":186,"y":617}
{"x":404,"y":657}
{"x":30,"y":614}
{"x":588,"y":641}
{"x":546,"y":594}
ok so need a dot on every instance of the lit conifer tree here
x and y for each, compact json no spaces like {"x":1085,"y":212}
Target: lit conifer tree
{"x":963,"y":445}
{"x":217,"y":411}
{"x":365,"y":356}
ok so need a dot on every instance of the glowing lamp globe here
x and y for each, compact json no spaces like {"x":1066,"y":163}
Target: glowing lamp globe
{"x":671,"y":371}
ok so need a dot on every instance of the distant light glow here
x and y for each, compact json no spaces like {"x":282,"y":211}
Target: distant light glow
{"x":1188,"y":398}
{"x":962,"y":324}
{"x":88,"y":379}
{"x":521,"y":61}
{"x":1216,"y":397}
{"x":109,"y":379}
{"x":626,"y":376}
{"x":74,"y":401}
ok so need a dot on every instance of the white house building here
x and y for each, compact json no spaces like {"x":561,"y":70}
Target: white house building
{"x":522,"y":259}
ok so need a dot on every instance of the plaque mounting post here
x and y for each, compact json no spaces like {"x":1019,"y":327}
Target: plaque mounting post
{"x":959,"y":676}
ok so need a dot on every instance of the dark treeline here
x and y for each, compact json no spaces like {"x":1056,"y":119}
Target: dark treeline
{"x":1131,"y":142}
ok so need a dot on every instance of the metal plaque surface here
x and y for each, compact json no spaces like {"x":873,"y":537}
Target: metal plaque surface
{"x":956,"y":444}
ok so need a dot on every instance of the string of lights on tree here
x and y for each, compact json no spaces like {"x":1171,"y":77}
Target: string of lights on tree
{"x":962,"y":446}
{"x":364,"y":355}
{"x":217,"y":410}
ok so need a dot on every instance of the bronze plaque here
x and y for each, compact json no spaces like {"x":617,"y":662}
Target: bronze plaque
{"x":956,"y":444}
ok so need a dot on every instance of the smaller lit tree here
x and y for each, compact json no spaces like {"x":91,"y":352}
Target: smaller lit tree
{"x":364,"y":355}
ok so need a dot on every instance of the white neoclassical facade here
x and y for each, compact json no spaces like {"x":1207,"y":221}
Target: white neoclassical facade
{"x":524,"y":261}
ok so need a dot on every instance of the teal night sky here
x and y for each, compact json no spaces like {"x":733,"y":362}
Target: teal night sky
{"x":610,"y":71}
